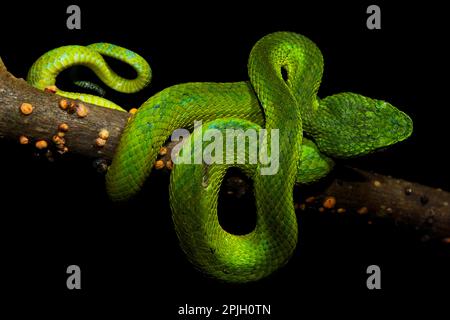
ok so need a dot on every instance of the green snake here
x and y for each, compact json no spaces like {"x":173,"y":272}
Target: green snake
{"x":285,"y":70}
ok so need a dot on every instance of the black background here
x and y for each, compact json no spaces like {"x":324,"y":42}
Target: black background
{"x":57,"y":214}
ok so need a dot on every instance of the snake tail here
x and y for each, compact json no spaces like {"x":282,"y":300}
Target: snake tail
{"x":44,"y":71}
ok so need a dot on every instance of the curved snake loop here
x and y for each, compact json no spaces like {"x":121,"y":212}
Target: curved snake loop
{"x":285,"y":71}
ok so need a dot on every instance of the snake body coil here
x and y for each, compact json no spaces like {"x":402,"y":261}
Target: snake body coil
{"x":285,"y":70}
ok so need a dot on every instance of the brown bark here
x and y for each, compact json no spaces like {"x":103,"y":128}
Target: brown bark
{"x":419,"y":206}
{"x":377,"y":196}
{"x":43,"y":122}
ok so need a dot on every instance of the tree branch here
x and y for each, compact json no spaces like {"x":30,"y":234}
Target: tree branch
{"x":357,"y":191}
{"x":377,"y":196}
{"x":43,"y":122}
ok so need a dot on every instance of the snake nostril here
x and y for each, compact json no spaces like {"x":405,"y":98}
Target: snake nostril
{"x":236,"y":206}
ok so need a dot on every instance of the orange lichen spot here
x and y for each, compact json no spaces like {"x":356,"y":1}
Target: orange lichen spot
{"x":159,"y":164}
{"x":51,"y":89}
{"x":82,"y":110}
{"x":72,"y":106}
{"x":58,"y":140}
{"x":61,"y":134}
{"x":60,"y":146}
{"x":341,"y":210}
{"x":363,"y":210}
{"x":104,"y":134}
{"x":329,"y":202}
{"x":23,"y":140}
{"x":63,"y":104}
{"x":63,"y":150}
{"x":63,"y":127}
{"x":41,"y":144}
{"x":169,"y":165}
{"x":26,"y":108}
{"x":99,"y":142}
{"x":162,"y":151}
{"x":310,"y":199}
{"x":133,"y":110}
{"x":377,"y":183}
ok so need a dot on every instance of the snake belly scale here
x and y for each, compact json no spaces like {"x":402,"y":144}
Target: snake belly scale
{"x":285,"y":70}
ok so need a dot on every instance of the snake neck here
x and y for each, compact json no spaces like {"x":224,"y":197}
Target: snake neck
{"x":285,"y":70}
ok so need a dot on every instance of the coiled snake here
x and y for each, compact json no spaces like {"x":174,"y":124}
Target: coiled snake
{"x":285,"y":71}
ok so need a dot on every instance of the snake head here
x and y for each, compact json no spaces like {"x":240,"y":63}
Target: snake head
{"x":348,"y":125}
